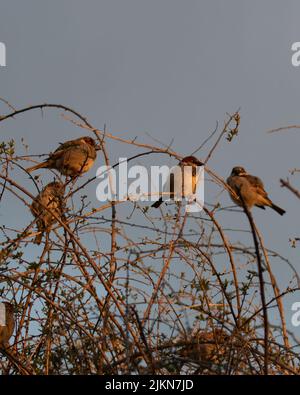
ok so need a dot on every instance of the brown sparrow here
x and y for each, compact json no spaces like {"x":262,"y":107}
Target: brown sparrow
{"x":72,"y":158}
{"x":181,"y":185}
{"x":251,"y":189}
{"x":52,"y":197}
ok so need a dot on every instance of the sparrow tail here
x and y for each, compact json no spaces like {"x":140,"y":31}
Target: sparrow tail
{"x":38,"y":238}
{"x":278,"y":209}
{"x":158,"y":203}
{"x":38,"y":166}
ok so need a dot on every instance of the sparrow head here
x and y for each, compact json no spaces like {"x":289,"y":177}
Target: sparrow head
{"x":238,"y":171}
{"x":89,"y":140}
{"x":190,"y":161}
{"x":56,"y":186}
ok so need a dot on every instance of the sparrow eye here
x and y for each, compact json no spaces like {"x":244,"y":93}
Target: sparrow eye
{"x":89,"y":140}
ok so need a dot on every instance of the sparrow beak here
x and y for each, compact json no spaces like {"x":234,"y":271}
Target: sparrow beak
{"x":199,"y":163}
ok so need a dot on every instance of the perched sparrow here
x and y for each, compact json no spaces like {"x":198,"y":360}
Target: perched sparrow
{"x":206,"y":346}
{"x":52,"y":197}
{"x":72,"y":158}
{"x":251,"y":189}
{"x":181,"y":184}
{"x":7,"y":323}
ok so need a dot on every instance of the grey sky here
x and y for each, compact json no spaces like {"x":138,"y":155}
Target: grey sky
{"x":170,"y":68}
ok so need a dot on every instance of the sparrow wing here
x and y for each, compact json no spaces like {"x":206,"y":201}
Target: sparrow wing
{"x":63,"y":147}
{"x":257,"y":183}
{"x":68,"y":146}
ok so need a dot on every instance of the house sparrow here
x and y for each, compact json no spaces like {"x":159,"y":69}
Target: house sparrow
{"x":181,"y":184}
{"x":7,"y":323}
{"x":52,"y":197}
{"x":206,"y":346}
{"x":251,"y":189}
{"x":72,"y":158}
